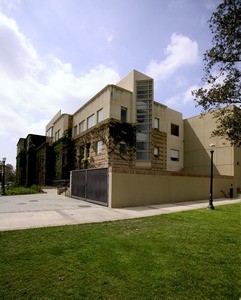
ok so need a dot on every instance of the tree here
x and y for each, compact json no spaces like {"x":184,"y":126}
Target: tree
{"x":221,"y":90}
{"x":9,"y":173}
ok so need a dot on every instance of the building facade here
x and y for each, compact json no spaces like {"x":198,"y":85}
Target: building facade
{"x":123,"y":128}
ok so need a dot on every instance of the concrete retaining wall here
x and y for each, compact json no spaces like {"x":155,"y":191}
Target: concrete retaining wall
{"x":131,"y":189}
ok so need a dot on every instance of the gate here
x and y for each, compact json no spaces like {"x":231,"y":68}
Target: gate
{"x":90,"y":185}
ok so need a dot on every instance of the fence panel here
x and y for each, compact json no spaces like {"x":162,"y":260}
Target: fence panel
{"x":91,"y":185}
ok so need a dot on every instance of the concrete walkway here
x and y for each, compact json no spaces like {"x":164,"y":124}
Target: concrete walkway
{"x":50,"y":209}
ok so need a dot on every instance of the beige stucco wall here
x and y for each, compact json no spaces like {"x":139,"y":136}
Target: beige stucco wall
{"x":101,"y":100}
{"x":142,"y":189}
{"x":121,"y":98}
{"x":61,"y":123}
{"x":198,"y":137}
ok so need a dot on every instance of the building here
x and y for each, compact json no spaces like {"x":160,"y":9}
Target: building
{"x":139,"y":142}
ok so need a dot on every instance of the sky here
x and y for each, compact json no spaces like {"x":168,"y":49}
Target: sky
{"x":57,"y":54}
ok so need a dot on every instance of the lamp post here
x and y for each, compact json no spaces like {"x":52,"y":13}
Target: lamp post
{"x":3,"y":176}
{"x":210,"y":206}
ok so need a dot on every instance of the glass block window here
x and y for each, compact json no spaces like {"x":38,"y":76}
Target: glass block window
{"x":144,"y":99}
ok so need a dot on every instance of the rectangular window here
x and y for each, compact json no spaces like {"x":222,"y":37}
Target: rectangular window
{"x":87,"y":151}
{"x":82,"y":126}
{"x":99,"y":147}
{"x":156,"y":152}
{"x":174,"y":155}
{"x":174,"y":129}
{"x":100,"y":115}
{"x":122,"y":148}
{"x":123,"y":114}
{"x":156,"y":123}
{"x":57,"y":135}
{"x":91,"y":121}
{"x":49,"y":133}
{"x":75,"y":130}
{"x":143,"y":155}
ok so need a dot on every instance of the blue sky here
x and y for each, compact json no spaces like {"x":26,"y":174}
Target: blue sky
{"x":56,"y":54}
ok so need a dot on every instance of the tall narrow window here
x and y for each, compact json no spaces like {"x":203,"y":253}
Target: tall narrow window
{"x":99,"y":147}
{"x":123,"y":114}
{"x":75,"y":130}
{"x":87,"y":151}
{"x":49,"y":133}
{"x":81,"y":126}
{"x":91,"y":121}
{"x":122,"y":148}
{"x":156,"y":123}
{"x":156,"y":152}
{"x":57,"y":135}
{"x":100,"y":115}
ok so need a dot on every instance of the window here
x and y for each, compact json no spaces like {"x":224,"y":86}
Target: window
{"x":99,"y":147}
{"x":100,"y":115}
{"x":156,"y":152}
{"x":91,"y":121}
{"x":122,"y":148}
{"x":174,"y":129}
{"x":174,"y":155}
{"x":123,"y":114}
{"x":57,"y":135}
{"x":81,"y":126}
{"x":156,"y":123}
{"x":144,"y":100}
{"x":87,"y":151}
{"x":49,"y":133}
{"x":75,"y":130}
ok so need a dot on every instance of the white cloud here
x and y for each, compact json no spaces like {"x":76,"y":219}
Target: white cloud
{"x":184,"y":98}
{"x":36,"y":88}
{"x":181,"y":51}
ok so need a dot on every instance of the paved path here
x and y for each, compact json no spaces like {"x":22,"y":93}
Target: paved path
{"x":50,"y":209}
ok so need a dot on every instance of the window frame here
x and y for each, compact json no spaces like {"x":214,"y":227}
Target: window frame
{"x":124,"y":110}
{"x":100,"y":115}
{"x":174,"y":157}
{"x":82,"y":126}
{"x":90,"y":121}
{"x":156,"y":149}
{"x":175,"y":129}
{"x":156,"y":120}
{"x":99,"y":147}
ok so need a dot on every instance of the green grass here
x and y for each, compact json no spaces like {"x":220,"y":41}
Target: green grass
{"x":187,"y":255}
{"x":20,"y":190}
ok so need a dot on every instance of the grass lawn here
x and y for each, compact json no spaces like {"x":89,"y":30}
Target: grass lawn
{"x":187,"y":255}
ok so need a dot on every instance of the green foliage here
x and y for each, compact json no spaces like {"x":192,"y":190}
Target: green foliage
{"x":20,"y":190}
{"x":123,"y":132}
{"x":187,"y":255}
{"x":222,"y":73}
{"x":64,"y":157}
